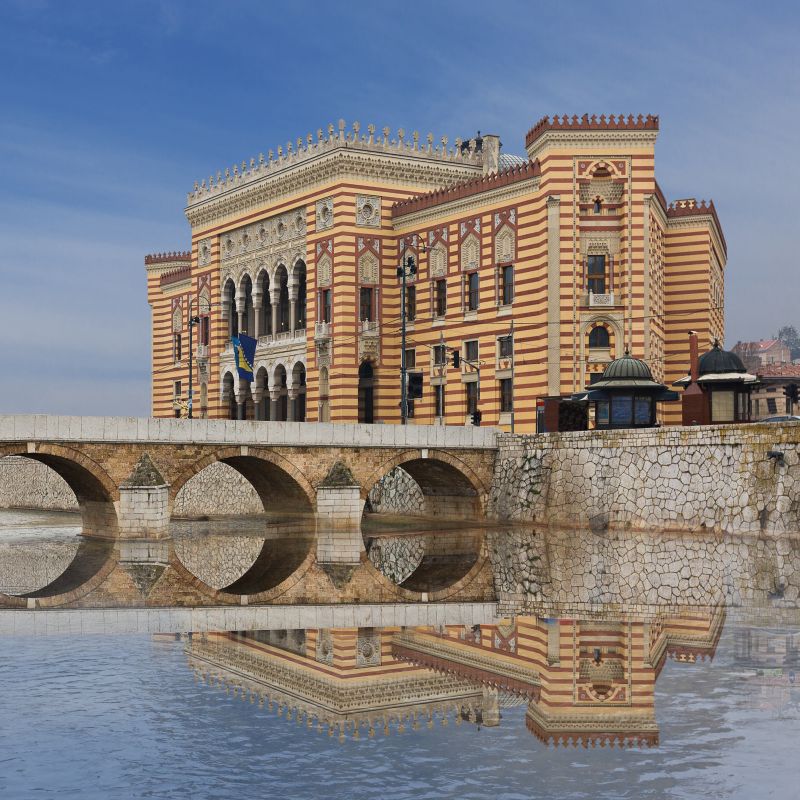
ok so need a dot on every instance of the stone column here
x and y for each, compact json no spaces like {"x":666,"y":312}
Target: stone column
{"x":242,"y":313}
{"x":274,"y":397}
{"x":276,"y":297}
{"x":257,"y":298}
{"x":258,"y":397}
{"x":293,"y":290}
{"x":290,"y":405}
{"x":241,"y":405}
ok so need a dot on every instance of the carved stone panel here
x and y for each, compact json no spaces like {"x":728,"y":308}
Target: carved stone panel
{"x":437,"y":261}
{"x":325,"y":647}
{"x":368,"y":268}
{"x":204,"y":252}
{"x":368,"y":211}
{"x":504,"y":245}
{"x":324,"y":214}
{"x":368,"y":648}
{"x":470,"y":253}
{"x":324,"y":271}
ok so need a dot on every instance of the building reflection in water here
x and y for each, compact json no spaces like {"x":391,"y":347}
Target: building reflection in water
{"x":588,"y":681}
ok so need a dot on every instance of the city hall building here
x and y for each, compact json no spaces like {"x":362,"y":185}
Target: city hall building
{"x":538,"y":269}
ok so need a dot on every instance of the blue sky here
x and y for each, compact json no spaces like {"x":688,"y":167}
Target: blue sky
{"x":111,"y":111}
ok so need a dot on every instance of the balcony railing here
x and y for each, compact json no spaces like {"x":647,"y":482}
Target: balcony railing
{"x":322,"y":330}
{"x":201,"y":351}
{"x":370,"y":327}
{"x":600,"y":300}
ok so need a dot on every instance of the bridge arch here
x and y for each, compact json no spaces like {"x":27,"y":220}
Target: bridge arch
{"x":450,"y":487}
{"x":281,"y":486}
{"x":96,"y":494}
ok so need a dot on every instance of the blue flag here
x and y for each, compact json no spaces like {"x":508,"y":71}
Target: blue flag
{"x":244,"y":347}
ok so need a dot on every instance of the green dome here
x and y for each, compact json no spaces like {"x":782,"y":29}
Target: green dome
{"x":627,"y":368}
{"x":717,"y":360}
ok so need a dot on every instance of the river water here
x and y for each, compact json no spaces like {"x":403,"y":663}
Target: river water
{"x":713,"y":690}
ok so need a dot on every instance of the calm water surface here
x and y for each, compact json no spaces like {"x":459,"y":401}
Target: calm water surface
{"x":122,"y":717}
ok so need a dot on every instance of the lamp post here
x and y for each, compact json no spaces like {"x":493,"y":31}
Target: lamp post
{"x":407,"y":268}
{"x":193,"y":320}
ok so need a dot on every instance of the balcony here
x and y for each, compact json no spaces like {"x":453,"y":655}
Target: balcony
{"x":201,"y":351}
{"x":322,"y":330}
{"x":601,"y":300}
{"x":370,"y":327}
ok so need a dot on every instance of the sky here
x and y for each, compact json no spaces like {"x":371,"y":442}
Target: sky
{"x":110,"y":111}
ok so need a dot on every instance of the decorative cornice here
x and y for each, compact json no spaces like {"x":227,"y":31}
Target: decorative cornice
{"x":342,"y":162}
{"x":470,"y":663}
{"x":182,"y":273}
{"x":468,"y":188}
{"x":612,"y":729}
{"x":465,"y":151}
{"x":591,"y":123}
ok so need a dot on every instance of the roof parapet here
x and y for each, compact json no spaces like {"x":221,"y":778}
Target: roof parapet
{"x":310,"y":147}
{"x":166,"y":258}
{"x":591,"y":123}
{"x":472,"y":186}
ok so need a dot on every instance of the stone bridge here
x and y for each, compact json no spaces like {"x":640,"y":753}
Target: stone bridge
{"x":313,"y":480}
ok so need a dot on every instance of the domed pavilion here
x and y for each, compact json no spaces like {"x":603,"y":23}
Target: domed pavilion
{"x":717,"y":388}
{"x":626,"y":395}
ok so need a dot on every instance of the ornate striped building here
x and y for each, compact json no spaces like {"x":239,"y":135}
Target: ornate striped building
{"x":538,"y":269}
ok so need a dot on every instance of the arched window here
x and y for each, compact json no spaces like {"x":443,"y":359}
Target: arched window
{"x":229,"y":306}
{"x":300,"y":305}
{"x":598,"y":338}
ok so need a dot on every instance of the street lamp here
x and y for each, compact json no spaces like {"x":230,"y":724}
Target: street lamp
{"x":407,"y":269}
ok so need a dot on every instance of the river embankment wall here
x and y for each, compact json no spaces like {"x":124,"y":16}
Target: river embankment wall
{"x":735,"y":478}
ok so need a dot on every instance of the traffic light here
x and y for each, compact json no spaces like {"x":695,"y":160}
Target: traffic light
{"x":414,"y":385}
{"x":792,"y":392}
{"x":476,"y":417}
{"x":456,"y":359}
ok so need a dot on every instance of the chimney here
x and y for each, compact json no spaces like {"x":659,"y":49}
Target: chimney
{"x":694,"y":366}
{"x":694,"y":404}
{"x":491,"y":153}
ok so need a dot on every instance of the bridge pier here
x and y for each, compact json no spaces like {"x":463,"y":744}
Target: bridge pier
{"x":339,"y":509}
{"x":143,"y":511}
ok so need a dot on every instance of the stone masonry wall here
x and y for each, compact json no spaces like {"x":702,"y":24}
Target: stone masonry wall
{"x":28,"y":484}
{"x":717,"y":478}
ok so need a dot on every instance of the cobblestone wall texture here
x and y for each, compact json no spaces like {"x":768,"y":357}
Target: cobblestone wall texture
{"x":397,"y":556}
{"x":562,"y":567}
{"x":397,"y":493}
{"x":217,"y":560}
{"x":28,"y":484}
{"x":715,"y":478}
{"x":29,"y":565}
{"x":217,"y":490}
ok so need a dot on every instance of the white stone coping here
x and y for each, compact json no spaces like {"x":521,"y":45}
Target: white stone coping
{"x":61,"y":621}
{"x":667,"y":436}
{"x":46,"y":428}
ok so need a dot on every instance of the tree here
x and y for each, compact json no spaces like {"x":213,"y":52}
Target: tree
{"x":791,"y":338}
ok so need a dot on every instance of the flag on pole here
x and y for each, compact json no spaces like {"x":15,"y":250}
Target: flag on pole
{"x":245,"y":349}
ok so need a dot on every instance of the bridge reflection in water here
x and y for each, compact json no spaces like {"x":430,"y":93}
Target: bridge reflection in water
{"x":585,"y":681}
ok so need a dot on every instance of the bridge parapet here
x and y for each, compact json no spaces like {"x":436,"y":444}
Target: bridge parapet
{"x":41,"y":427}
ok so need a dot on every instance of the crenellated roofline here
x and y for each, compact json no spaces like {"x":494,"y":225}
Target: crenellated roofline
{"x":591,"y":123}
